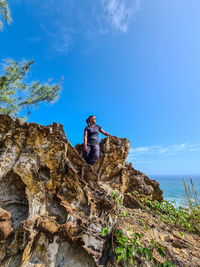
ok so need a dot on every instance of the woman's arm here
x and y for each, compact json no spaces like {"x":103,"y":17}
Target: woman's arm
{"x":85,"y":140}
{"x":103,"y":132}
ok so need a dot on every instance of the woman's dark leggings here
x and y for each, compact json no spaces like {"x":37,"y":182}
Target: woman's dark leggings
{"x":92,"y":154}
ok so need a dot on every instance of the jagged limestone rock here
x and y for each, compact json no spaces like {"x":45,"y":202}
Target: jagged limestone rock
{"x":115,"y":173}
{"x":53,"y":206}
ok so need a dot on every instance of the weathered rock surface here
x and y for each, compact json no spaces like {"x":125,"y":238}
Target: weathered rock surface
{"x":53,"y":205}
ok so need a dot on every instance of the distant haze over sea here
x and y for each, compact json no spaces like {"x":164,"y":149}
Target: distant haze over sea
{"x":173,"y":187}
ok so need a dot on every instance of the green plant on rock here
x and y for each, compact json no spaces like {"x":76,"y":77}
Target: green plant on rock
{"x":165,"y":264}
{"x":105,"y":231}
{"x":183,"y":218}
{"x":158,"y":247}
{"x":127,"y":246}
{"x":115,"y":197}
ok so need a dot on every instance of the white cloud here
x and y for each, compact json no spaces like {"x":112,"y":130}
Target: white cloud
{"x":59,"y":40}
{"x":62,"y":42}
{"x":120,"y":12}
{"x":64,"y":24}
{"x":142,"y":149}
{"x":164,"y":150}
{"x":160,"y":159}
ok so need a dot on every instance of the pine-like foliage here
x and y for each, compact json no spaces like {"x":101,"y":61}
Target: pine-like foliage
{"x":17,"y":94}
{"x":4,"y":12}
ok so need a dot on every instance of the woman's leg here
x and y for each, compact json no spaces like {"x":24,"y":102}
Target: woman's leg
{"x":94,"y":154}
{"x":88,"y":154}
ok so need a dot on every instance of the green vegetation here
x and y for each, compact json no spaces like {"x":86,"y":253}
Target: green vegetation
{"x":115,"y":197}
{"x":135,"y":246}
{"x":5,"y":12}
{"x":16,"y":94}
{"x":182,"y":218}
{"x":128,"y":246}
{"x":187,"y":219}
{"x":191,"y":194}
{"x":105,"y":231}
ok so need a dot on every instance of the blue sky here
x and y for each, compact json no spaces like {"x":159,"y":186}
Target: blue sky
{"x":134,"y":64}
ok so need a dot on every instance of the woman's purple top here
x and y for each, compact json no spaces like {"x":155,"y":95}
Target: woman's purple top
{"x":93,"y":134}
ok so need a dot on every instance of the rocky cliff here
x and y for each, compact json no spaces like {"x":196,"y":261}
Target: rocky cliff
{"x":53,"y":206}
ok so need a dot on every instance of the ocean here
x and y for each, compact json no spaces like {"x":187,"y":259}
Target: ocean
{"x":173,"y":187}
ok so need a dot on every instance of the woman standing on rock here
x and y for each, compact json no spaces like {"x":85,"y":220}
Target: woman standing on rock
{"x":91,"y":140}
